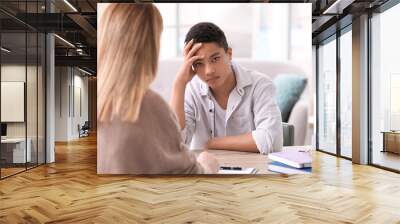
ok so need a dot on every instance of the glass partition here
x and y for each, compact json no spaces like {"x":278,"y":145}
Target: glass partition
{"x":327,"y":96}
{"x":346,"y":94}
{"x":385,"y":89}
{"x":14,"y":153}
{"x":22,"y":77}
{"x":41,"y":109}
{"x":31,"y":99}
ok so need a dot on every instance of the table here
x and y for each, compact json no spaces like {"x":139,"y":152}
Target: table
{"x":13,"y":150}
{"x":391,"y":141}
{"x":247,"y":159}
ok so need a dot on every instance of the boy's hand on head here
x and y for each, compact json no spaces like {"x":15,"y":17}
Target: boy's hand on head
{"x":186,"y":73}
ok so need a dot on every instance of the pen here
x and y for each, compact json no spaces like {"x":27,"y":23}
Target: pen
{"x":230,"y":168}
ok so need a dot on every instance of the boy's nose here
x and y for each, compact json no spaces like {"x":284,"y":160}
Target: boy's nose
{"x":209,"y":70}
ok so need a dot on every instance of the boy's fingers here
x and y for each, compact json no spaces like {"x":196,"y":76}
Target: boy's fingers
{"x":194,"y":58}
{"x":194,"y":50}
{"x":187,"y":46}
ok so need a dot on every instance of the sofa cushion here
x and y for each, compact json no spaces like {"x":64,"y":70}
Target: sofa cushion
{"x":289,"y":88}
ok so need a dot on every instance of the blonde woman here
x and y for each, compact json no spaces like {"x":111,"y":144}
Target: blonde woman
{"x":137,"y":131}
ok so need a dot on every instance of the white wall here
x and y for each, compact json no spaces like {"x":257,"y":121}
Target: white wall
{"x":61,"y":103}
{"x":14,"y":73}
{"x":70,"y":83}
{"x":79,"y":117}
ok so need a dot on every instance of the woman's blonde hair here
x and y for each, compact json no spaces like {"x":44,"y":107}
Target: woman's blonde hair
{"x":129,"y":44}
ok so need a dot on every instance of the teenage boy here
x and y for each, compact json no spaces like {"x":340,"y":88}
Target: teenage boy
{"x":220,"y":104}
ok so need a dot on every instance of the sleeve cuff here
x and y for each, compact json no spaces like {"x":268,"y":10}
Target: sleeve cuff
{"x":261,"y":139}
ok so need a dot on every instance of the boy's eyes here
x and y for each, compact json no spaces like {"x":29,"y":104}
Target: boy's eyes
{"x":215,"y":59}
{"x":198,"y":64}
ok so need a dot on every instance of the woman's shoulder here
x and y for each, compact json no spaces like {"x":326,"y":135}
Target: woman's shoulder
{"x":153,"y":101}
{"x":152,"y":97}
{"x":156,"y":110}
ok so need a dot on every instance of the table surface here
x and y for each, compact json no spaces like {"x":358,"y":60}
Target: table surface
{"x":391,"y":132}
{"x":13,"y":140}
{"x":248,"y":159}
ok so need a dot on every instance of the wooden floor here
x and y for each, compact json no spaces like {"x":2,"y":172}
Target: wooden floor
{"x":387,"y":159}
{"x":10,"y":171}
{"x":70,"y":191}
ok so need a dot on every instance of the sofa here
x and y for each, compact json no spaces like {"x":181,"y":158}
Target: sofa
{"x":168,"y":68}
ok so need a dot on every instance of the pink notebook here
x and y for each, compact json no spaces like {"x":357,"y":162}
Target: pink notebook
{"x":292,"y":158}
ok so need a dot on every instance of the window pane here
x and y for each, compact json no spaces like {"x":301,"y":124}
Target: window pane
{"x":168,"y":12}
{"x":272,"y":35}
{"x":346,"y":94}
{"x":299,"y":35}
{"x":233,"y":19}
{"x":277,"y":32}
{"x":327,"y":97}
{"x":168,"y":43}
{"x":385,"y":114}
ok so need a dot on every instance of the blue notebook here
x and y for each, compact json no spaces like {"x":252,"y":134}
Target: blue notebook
{"x":285,"y":169}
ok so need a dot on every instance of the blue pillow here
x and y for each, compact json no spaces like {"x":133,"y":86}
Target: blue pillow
{"x":288,"y":91}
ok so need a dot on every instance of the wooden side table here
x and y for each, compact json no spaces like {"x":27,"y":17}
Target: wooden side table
{"x":391,"y":141}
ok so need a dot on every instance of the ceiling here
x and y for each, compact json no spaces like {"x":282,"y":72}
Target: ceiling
{"x":329,"y":16}
{"x":76,"y":23}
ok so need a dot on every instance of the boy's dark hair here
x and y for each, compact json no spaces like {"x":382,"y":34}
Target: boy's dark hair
{"x":206,"y":32}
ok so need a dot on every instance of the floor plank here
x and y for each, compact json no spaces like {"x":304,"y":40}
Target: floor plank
{"x":70,"y":191}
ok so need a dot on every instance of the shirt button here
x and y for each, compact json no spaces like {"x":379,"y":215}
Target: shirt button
{"x":210,"y":110}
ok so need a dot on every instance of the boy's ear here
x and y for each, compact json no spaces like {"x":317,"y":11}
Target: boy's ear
{"x":229,"y":52}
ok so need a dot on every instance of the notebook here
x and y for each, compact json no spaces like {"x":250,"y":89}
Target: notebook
{"x":285,"y":169}
{"x":243,"y":171}
{"x":292,"y":158}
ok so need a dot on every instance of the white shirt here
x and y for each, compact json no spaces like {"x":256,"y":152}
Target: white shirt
{"x":251,"y":108}
{"x":220,"y":119}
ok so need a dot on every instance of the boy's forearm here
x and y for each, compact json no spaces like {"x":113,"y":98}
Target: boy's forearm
{"x":243,"y":143}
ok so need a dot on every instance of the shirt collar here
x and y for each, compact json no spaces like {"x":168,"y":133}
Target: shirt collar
{"x":243,"y":79}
